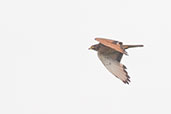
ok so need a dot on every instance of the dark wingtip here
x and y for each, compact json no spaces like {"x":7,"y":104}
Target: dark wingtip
{"x":124,"y":67}
{"x":126,"y":53}
{"x":127,"y":81}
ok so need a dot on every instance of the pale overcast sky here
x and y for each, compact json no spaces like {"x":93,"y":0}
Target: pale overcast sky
{"x":46,"y":67}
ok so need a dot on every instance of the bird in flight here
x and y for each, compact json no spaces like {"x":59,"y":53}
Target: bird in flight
{"x":110,"y":53}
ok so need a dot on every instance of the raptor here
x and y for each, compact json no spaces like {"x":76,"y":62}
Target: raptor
{"x":110,"y":53}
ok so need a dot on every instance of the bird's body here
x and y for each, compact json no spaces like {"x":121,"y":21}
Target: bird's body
{"x":110,"y":52}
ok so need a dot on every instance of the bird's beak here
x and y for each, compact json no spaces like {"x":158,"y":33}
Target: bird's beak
{"x":90,"y":48}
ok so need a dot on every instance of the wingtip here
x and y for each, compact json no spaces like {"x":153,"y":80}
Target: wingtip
{"x":97,"y":38}
{"x":126,"y":53}
{"x":127,"y":81}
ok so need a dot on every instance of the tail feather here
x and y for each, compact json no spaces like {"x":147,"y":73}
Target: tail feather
{"x":132,"y":46}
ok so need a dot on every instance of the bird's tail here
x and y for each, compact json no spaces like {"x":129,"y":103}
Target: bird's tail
{"x":132,"y":46}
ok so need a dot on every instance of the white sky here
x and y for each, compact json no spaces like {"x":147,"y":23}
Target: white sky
{"x":46,"y":67}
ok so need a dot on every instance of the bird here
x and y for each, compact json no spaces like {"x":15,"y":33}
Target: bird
{"x":110,"y":52}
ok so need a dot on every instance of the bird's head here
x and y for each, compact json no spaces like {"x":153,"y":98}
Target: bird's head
{"x":95,"y":47}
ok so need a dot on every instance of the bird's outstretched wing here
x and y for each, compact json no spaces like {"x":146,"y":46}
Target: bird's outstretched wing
{"x":112,"y":62}
{"x":116,"y":45}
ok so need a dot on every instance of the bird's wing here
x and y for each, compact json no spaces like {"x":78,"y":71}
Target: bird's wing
{"x":116,"y":45}
{"x":112,"y":63}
